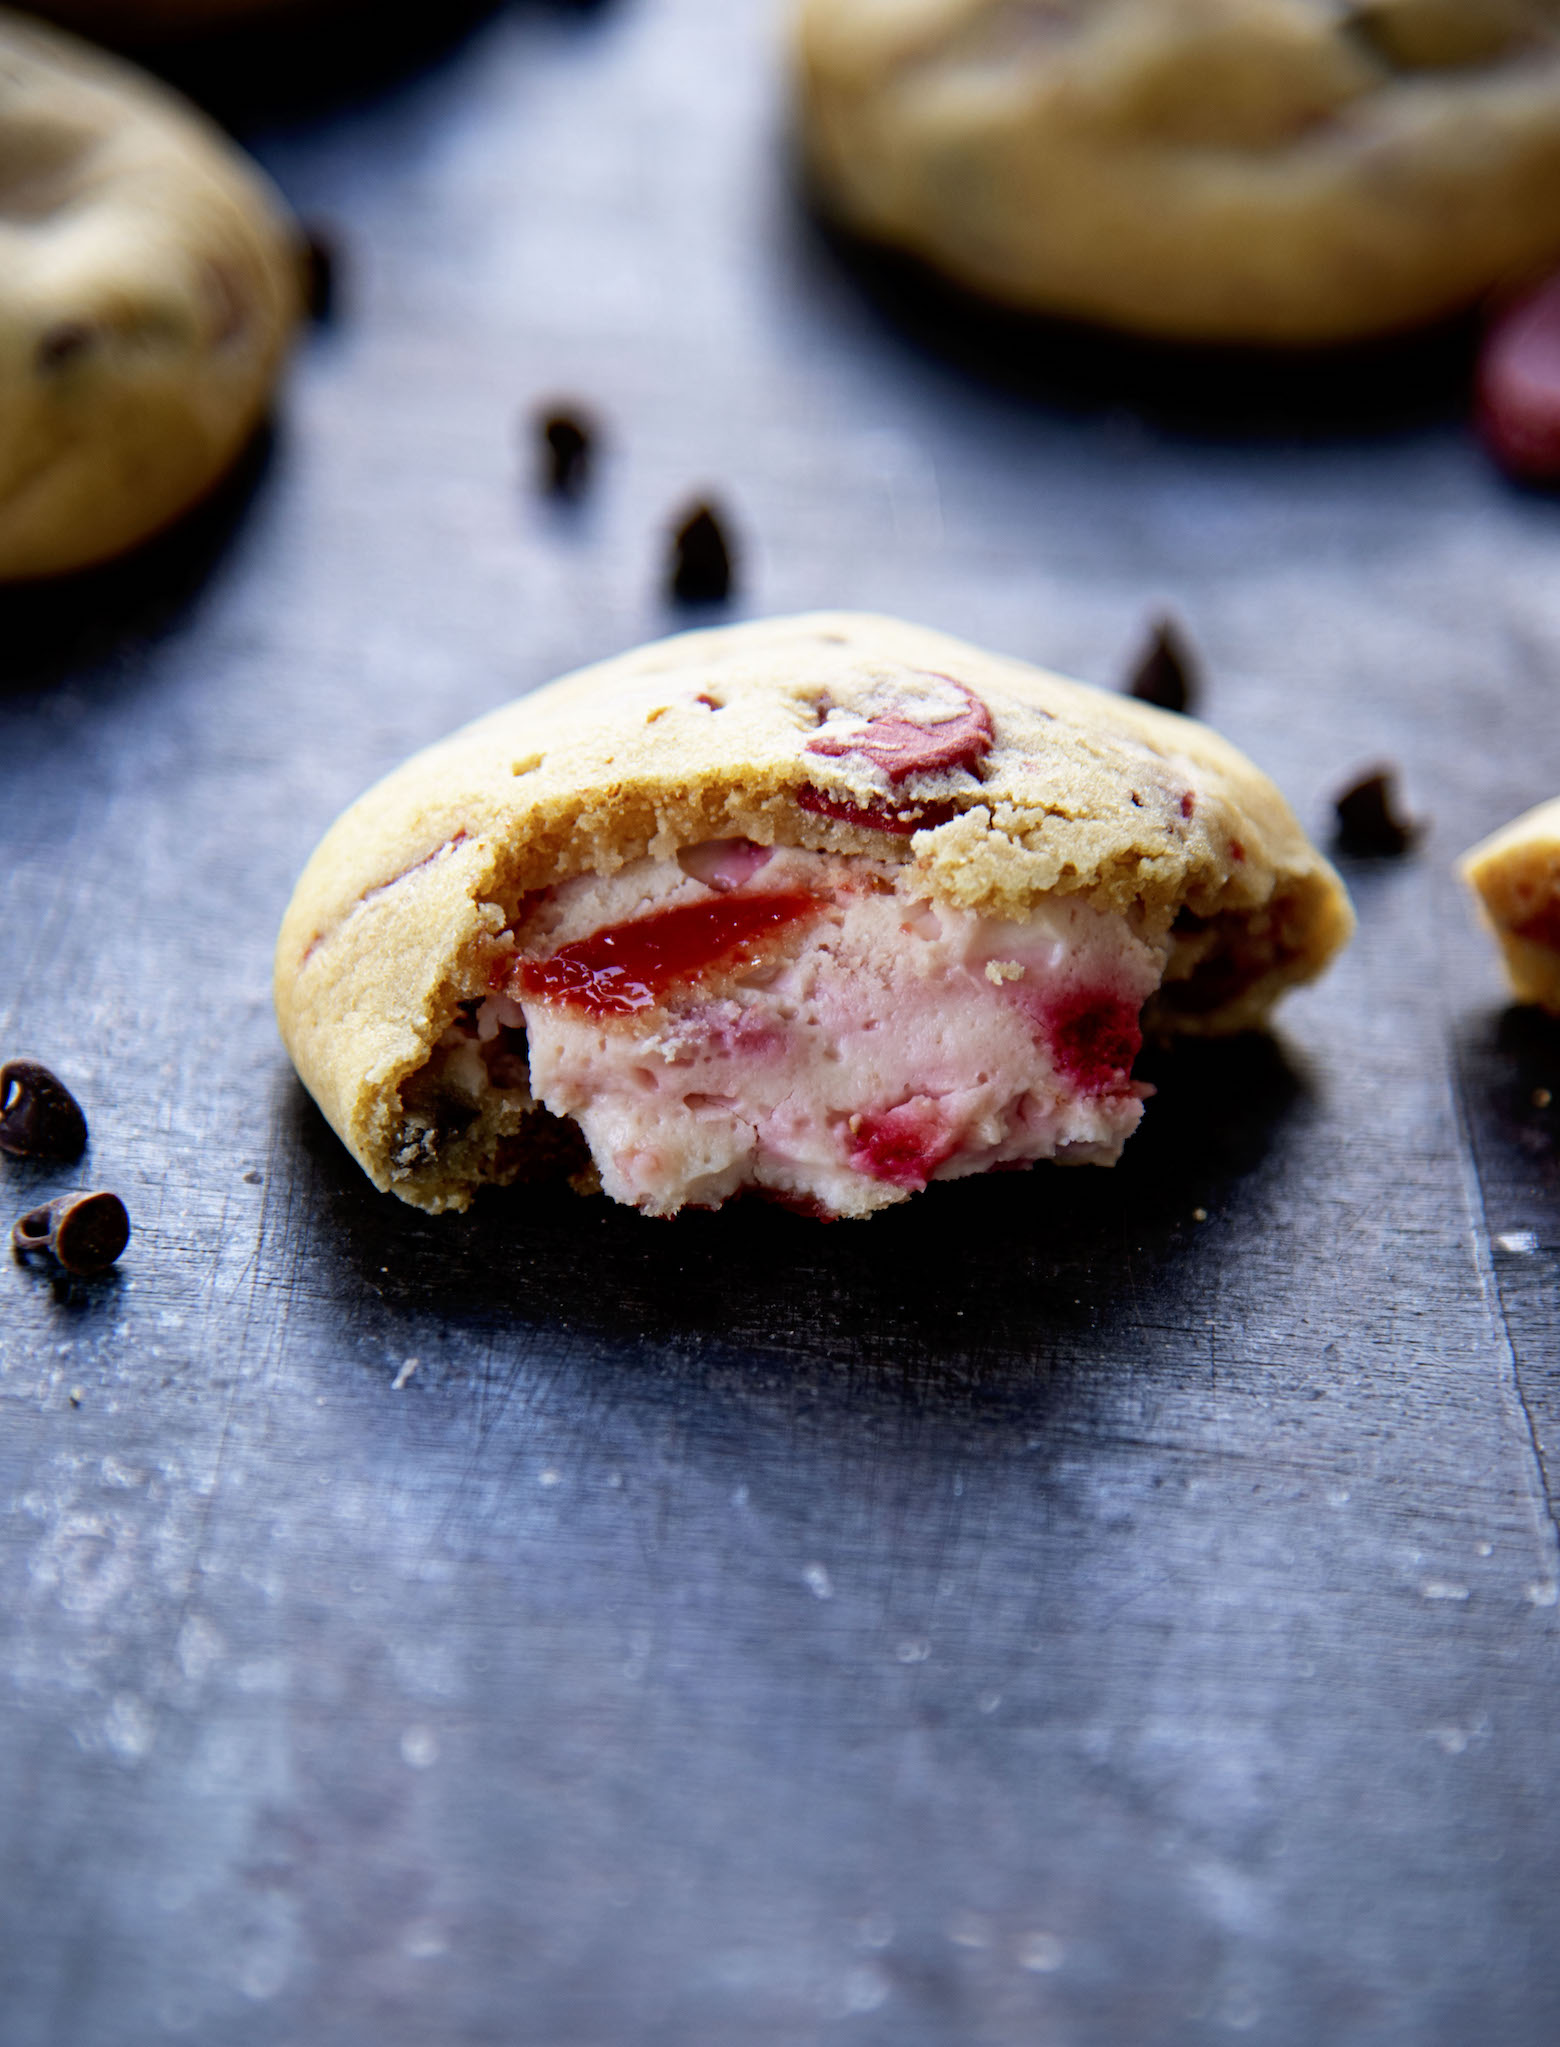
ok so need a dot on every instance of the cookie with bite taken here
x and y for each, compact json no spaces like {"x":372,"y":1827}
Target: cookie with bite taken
{"x":822,"y":908}
{"x":149,"y":286}
{"x":1273,"y":172}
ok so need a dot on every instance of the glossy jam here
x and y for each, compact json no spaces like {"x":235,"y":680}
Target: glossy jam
{"x":629,"y":967}
{"x":902,"y":746}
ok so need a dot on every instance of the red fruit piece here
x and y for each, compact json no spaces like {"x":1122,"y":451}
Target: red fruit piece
{"x":628,"y":967}
{"x":1519,"y":386}
{"x":905,"y":1145}
{"x":1094,"y":1036}
{"x":880,"y":815}
{"x":901,"y":744}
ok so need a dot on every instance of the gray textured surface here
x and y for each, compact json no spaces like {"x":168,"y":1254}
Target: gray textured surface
{"x":1034,"y":1617}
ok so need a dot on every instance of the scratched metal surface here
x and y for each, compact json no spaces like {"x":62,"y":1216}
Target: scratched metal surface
{"x":1035,"y":1616}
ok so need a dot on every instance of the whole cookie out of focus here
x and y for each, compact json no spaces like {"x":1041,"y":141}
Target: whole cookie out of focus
{"x":149,"y":286}
{"x":1272,"y":172}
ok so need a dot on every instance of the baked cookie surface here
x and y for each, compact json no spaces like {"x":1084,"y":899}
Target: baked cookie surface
{"x":768,"y":865}
{"x":1515,"y":878}
{"x":149,"y":285}
{"x":1274,"y":172}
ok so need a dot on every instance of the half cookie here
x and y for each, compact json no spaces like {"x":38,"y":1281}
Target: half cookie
{"x":1515,"y":876}
{"x":825,"y":907}
{"x":1265,"y":171}
{"x":149,"y":284}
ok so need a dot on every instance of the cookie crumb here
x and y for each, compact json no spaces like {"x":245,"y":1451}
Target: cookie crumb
{"x":568,"y":443}
{"x":1541,"y":1098}
{"x":701,"y":559}
{"x":1368,"y":821}
{"x":1167,"y":673}
{"x":76,"y":1396}
{"x":998,"y":971}
{"x":1199,"y":1215}
{"x":405,"y":1373}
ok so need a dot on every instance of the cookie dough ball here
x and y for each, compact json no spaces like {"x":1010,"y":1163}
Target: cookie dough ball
{"x":149,"y":284}
{"x":1515,"y":878}
{"x":820,"y":908}
{"x":1275,"y":172}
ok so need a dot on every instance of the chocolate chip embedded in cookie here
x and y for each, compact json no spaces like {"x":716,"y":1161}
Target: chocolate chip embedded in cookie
{"x":1265,"y":171}
{"x":823,"y":908}
{"x":149,"y":284}
{"x":1515,"y":878}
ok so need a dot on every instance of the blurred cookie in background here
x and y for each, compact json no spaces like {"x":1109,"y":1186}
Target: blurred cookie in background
{"x":150,"y":282}
{"x":138,"y":21}
{"x":1271,"y":172}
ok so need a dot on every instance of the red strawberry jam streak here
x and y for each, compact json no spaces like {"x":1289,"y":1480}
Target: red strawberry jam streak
{"x":629,"y":967}
{"x":881,"y":815}
{"x":901,"y":747}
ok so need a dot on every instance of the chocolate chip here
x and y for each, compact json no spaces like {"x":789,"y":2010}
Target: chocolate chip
{"x":1167,"y":672}
{"x":39,"y":1116}
{"x":60,"y":345}
{"x":567,"y":442}
{"x":319,"y":262}
{"x":701,"y":559}
{"x":82,"y":1233}
{"x":1368,"y":820}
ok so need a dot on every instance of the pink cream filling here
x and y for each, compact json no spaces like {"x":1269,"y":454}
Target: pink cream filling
{"x":800,"y":1024}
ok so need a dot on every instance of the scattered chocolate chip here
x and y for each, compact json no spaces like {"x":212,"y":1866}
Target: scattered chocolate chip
{"x":1167,"y":672}
{"x":39,"y":1116}
{"x":83,"y":1233}
{"x":1368,"y":820}
{"x":568,"y":439}
{"x":61,"y":344}
{"x":701,"y":560}
{"x":320,"y":262}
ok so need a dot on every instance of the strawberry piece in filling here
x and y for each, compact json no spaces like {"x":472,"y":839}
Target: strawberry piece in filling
{"x":949,"y":728}
{"x":799,"y":1023}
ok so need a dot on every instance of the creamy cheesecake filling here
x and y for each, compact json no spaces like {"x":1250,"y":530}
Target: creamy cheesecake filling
{"x":799,"y":1023}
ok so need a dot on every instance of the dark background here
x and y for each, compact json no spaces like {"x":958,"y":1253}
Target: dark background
{"x":1037,"y":1616}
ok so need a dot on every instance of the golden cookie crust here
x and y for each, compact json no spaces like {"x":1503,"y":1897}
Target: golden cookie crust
{"x":149,"y":285}
{"x":1275,"y":172}
{"x":1515,"y":878}
{"x":398,"y":914}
